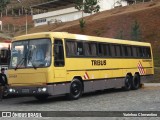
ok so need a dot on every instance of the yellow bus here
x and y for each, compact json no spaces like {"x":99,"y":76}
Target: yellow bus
{"x":60,"y":63}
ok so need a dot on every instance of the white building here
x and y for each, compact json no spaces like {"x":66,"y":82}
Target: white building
{"x":63,"y":10}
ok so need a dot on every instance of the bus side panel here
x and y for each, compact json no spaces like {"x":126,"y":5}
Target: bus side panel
{"x":58,"y":89}
{"x":102,"y":84}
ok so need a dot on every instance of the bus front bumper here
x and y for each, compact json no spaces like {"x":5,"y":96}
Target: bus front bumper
{"x":54,"y":89}
{"x":29,"y":90}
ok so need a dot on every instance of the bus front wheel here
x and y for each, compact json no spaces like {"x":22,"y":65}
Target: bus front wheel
{"x":76,"y":89}
{"x":127,"y":82}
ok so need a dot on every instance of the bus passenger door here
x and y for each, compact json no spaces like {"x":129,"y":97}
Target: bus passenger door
{"x":59,"y":62}
{"x":59,"y":69}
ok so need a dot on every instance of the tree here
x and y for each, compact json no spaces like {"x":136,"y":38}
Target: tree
{"x":135,"y":31}
{"x":91,"y":6}
{"x":86,"y":6}
{"x":3,"y":4}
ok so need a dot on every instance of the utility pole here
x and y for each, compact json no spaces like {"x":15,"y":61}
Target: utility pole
{"x":26,"y":16}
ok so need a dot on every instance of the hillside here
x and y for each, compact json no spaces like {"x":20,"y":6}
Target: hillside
{"x":118,"y":23}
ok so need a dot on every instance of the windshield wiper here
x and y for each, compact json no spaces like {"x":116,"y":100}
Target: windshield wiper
{"x":25,"y":58}
{"x":19,"y":63}
{"x":32,"y":64}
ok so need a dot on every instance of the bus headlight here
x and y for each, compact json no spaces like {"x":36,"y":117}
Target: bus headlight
{"x":11,"y":90}
{"x":42,"y":89}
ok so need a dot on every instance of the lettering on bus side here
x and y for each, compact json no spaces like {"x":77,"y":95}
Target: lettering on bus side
{"x":98,"y":62}
{"x":12,"y":76}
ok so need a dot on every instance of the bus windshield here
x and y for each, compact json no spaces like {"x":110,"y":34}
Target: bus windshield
{"x":30,"y":53}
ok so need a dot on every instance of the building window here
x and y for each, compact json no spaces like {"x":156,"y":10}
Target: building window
{"x":40,"y":20}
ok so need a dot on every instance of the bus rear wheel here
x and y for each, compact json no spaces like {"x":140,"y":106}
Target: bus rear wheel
{"x":136,"y":82}
{"x":76,"y":89}
{"x":127,"y":82}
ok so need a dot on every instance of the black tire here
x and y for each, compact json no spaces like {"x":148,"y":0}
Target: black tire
{"x":127,"y":83}
{"x":76,"y":89}
{"x":136,"y":82}
{"x":41,"y":97}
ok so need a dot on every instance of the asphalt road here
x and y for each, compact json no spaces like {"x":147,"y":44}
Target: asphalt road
{"x":144,"y":99}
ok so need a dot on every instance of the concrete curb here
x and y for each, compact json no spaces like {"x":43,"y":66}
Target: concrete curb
{"x":151,"y":85}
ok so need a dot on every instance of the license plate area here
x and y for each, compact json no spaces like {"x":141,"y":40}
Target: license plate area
{"x":25,"y":90}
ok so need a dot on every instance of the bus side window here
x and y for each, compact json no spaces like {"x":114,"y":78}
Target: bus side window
{"x":148,"y":52}
{"x":74,"y":48}
{"x":118,"y":50}
{"x":71,"y":48}
{"x":100,"y":49}
{"x":104,"y":50}
{"x":130,"y":52}
{"x":127,"y":51}
{"x":141,"y":52}
{"x":90,"y":49}
{"x":108,"y":50}
{"x":79,"y":48}
{"x":113,"y":54}
{"x":58,"y":53}
{"x":134,"y":52}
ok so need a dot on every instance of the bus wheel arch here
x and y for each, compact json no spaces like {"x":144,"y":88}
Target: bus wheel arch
{"x":80,"y":79}
{"x":76,"y":89}
{"x":136,"y":82}
{"x":130,"y":74}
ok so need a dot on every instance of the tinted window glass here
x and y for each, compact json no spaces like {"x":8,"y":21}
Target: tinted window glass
{"x":103,"y":49}
{"x":113,"y":51}
{"x":118,"y":51}
{"x":71,"y":47}
{"x":148,"y":52}
{"x":127,"y":50}
{"x":58,"y":53}
{"x":74,"y":48}
{"x":134,"y":52}
{"x":79,"y":48}
{"x":90,"y":49}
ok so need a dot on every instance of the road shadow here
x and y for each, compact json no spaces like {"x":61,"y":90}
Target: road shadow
{"x":62,"y":98}
{"x":101,"y":92}
{"x":51,"y":99}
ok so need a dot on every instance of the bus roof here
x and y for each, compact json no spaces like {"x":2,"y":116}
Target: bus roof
{"x":63,"y":35}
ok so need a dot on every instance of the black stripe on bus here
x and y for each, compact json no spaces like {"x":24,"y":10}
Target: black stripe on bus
{"x":106,"y":69}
